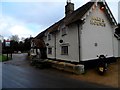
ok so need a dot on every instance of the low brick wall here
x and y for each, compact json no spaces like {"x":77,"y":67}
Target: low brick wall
{"x":77,"y":69}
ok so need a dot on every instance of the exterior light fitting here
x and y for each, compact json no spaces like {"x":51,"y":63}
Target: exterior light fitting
{"x":102,"y":8}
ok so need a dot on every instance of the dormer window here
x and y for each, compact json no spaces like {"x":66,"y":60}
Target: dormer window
{"x":64,"y":31}
{"x":49,"y":36}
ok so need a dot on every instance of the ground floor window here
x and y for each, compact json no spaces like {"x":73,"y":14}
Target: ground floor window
{"x":32,"y":50}
{"x":64,"y":50}
{"x":49,"y":50}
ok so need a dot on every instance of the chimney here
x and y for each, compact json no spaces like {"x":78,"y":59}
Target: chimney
{"x":69,"y":8}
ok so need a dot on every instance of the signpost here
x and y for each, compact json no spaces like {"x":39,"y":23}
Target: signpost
{"x":7,"y":45}
{"x":0,"y":47}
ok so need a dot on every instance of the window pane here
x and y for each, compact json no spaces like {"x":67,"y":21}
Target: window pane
{"x":64,"y":31}
{"x":49,"y":37}
{"x":64,"y":50}
{"x":49,"y":50}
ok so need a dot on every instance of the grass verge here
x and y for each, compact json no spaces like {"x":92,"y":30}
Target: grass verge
{"x":3,"y":58}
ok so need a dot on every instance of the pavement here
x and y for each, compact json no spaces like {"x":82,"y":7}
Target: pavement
{"x":17,"y":73}
{"x":110,"y":78}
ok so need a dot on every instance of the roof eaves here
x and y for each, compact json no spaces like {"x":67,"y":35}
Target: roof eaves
{"x":54,"y":27}
{"x":40,"y":35}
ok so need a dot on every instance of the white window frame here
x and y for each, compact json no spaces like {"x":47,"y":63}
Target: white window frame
{"x":49,"y":37}
{"x":64,"y":31}
{"x":50,"y":52}
{"x":63,"y":47}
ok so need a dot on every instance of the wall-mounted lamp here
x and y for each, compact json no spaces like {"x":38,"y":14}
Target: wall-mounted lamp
{"x":102,"y":8}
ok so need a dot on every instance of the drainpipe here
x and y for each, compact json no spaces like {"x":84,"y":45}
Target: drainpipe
{"x":79,"y":37}
{"x":55,"y":45}
{"x":78,"y":40}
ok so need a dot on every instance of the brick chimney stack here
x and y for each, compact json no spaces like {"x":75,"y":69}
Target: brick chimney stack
{"x":69,"y":8}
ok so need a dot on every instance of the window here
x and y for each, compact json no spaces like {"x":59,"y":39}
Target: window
{"x":49,"y":36}
{"x":49,"y":50}
{"x":64,"y":50}
{"x":32,"y":50}
{"x":64,"y":31}
{"x":117,"y":33}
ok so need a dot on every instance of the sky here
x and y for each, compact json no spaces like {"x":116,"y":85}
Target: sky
{"x":27,"y":18}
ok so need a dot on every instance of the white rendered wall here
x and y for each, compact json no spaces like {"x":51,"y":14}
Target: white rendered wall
{"x":116,"y":47}
{"x":92,"y":34}
{"x":71,"y":39}
{"x":51,"y":44}
{"x":107,"y":44}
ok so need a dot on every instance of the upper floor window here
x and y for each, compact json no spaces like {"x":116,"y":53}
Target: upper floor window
{"x":64,"y":31}
{"x":49,"y":36}
{"x":32,"y":44}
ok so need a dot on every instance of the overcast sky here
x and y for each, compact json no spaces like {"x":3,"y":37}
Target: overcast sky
{"x":30,"y":17}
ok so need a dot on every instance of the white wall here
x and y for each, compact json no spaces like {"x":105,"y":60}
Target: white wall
{"x":72,"y":39}
{"x":116,"y":47}
{"x":51,"y":44}
{"x":92,"y":34}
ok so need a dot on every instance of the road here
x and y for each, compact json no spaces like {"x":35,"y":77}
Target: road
{"x":17,"y":73}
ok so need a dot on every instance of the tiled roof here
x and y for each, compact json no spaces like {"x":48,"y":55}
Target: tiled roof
{"x":78,"y":14}
{"x":39,"y":43}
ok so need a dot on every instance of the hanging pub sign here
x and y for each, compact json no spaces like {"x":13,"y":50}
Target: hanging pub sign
{"x":97,"y":21}
{"x":7,"y":43}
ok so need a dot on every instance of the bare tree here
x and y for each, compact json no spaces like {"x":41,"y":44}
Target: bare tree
{"x":15,"y":38}
{"x":23,"y":39}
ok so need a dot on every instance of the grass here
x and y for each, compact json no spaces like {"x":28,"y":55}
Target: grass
{"x":3,"y":58}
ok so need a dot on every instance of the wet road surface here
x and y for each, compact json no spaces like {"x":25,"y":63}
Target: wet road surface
{"x":17,"y":73}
